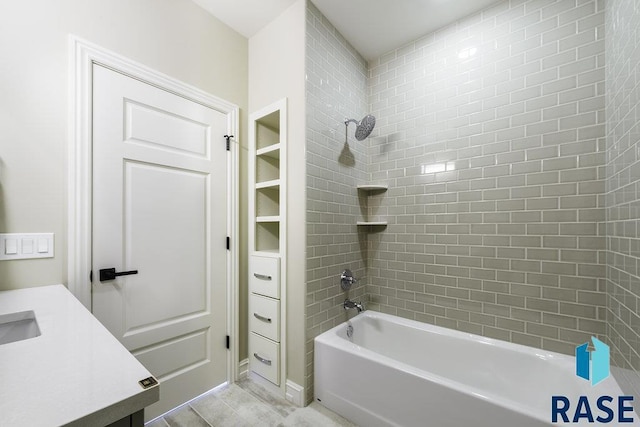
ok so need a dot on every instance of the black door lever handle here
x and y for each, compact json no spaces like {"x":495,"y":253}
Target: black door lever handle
{"x":111,"y":274}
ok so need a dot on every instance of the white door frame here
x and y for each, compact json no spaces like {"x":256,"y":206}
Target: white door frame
{"x":82,"y":57}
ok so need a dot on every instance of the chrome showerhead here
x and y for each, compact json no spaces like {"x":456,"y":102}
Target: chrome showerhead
{"x":363,"y":127}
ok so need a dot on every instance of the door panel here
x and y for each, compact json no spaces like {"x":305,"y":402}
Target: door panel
{"x":160,"y":207}
{"x":174,"y":356}
{"x":146,"y":124}
{"x":178,"y":236}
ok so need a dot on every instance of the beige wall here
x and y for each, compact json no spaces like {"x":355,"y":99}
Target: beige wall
{"x":276,"y":70}
{"x":175,"y":37}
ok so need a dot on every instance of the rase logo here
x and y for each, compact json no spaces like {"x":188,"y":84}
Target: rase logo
{"x":593,"y":366}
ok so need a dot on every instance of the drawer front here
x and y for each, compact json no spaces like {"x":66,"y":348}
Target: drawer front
{"x":264,"y":276}
{"x":264,"y":356}
{"x":264,"y":316}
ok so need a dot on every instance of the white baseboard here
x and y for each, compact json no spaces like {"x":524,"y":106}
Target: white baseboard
{"x":266,"y":384}
{"x":243,"y":369}
{"x":294,"y":393}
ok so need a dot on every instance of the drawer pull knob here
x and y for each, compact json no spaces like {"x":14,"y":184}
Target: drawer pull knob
{"x":262,"y":359}
{"x":264,"y":319}
{"x":261,"y":276}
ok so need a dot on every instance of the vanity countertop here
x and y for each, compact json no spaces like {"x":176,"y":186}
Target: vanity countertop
{"x":75,"y":373}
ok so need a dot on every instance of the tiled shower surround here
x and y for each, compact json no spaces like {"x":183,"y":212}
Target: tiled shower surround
{"x":336,"y":89}
{"x":623,"y":188}
{"x":512,"y":212}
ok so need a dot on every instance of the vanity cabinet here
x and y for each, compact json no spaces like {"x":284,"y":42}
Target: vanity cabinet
{"x":72,"y":372}
{"x":267,"y":245}
{"x":133,"y":420}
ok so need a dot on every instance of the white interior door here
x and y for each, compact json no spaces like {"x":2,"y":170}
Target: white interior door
{"x":160,"y":208}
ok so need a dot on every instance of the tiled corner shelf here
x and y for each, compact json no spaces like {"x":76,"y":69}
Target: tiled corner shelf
{"x":370,"y":189}
{"x":373,"y":187}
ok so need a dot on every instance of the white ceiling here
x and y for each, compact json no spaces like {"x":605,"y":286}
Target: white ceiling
{"x":245,"y":16}
{"x":373,"y":27}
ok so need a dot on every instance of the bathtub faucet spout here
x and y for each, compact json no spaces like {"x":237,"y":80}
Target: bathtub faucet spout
{"x":348,"y":304}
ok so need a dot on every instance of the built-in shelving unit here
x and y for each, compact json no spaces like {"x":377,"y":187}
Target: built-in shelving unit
{"x":370,"y":190}
{"x":267,"y":245}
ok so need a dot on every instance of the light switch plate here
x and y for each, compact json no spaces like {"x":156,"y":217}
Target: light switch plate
{"x":25,"y":245}
{"x":10,"y":246}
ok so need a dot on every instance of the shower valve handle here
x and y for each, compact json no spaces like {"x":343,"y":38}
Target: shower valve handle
{"x":347,"y":280}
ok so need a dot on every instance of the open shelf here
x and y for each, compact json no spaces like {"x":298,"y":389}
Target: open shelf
{"x":268,"y":130}
{"x":267,"y":237}
{"x":272,"y":151}
{"x":268,"y":184}
{"x":375,"y":223}
{"x":267,"y":201}
{"x":267,"y":168}
{"x":274,"y":218}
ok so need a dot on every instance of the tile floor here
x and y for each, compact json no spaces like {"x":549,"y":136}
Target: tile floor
{"x":246,"y":404}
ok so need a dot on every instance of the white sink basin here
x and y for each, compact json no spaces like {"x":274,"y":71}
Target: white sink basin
{"x":18,"y":326}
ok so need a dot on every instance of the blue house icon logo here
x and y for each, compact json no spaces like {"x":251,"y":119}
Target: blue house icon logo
{"x":592,"y":364}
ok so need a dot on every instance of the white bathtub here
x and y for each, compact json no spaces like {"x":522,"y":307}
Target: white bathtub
{"x":399,"y":372}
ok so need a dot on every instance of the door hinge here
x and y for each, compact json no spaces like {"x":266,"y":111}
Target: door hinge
{"x":91,"y":276}
{"x":228,"y":342}
{"x":228,"y":242}
{"x":228,"y":143}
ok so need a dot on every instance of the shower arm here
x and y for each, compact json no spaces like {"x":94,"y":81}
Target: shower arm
{"x":346,"y":128}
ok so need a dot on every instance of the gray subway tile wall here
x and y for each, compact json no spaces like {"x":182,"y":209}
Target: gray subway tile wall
{"x":491,"y":138}
{"x":623,"y":189}
{"x":513,"y":198}
{"x":336,"y":89}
